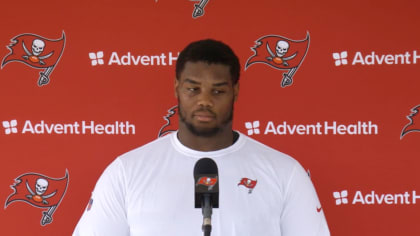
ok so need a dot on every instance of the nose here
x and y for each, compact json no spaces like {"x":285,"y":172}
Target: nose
{"x":205,"y":100}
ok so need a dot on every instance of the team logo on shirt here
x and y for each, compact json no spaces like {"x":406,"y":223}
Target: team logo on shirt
{"x":414,"y":124}
{"x":39,"y":191}
{"x":37,"y":52}
{"x":248,"y":183}
{"x":280,"y":53}
{"x":210,"y":182}
{"x":171,"y":122}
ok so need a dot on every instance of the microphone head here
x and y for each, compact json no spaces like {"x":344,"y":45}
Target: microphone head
{"x":206,"y":177}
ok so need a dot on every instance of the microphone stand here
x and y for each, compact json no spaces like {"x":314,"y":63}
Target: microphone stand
{"x":207,"y":211}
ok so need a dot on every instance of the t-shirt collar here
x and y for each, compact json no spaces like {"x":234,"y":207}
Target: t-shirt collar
{"x":200,"y":154}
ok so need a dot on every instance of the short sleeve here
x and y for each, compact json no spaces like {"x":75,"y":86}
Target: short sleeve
{"x":106,"y":212}
{"x":302,"y":213}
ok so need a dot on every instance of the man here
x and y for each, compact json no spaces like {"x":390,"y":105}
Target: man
{"x":150,"y":191}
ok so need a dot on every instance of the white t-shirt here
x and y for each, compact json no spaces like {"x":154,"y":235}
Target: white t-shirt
{"x":149,"y":191}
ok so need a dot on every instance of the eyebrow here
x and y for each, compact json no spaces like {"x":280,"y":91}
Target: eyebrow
{"x":196,"y":82}
{"x":221,"y":84}
{"x":191,"y":81}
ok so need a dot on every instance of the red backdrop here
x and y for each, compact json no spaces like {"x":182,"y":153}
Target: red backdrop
{"x":360,"y":73}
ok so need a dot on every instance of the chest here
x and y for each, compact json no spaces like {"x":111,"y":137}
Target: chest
{"x":162,"y":203}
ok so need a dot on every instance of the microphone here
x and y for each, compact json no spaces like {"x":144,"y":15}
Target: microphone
{"x":206,"y":179}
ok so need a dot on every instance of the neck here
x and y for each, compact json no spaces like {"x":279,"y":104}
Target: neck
{"x":220,"y":140}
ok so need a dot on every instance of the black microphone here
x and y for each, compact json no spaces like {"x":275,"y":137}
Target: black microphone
{"x":206,"y":190}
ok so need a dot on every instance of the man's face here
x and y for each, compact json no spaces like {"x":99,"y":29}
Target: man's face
{"x":205,"y":95}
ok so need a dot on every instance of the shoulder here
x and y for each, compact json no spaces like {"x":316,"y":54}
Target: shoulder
{"x":147,"y":149}
{"x":271,"y":160}
{"x":263,"y":150}
{"x":143,"y":158}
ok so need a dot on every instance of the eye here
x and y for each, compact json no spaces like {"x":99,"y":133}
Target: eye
{"x":218,"y":91}
{"x":192,"y":89}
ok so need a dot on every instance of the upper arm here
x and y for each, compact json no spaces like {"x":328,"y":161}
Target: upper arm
{"x":107,"y":213}
{"x":302,"y":213}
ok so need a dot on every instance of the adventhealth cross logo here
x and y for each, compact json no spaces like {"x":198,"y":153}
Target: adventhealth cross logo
{"x":374,"y":198}
{"x":341,"y":197}
{"x":97,"y":58}
{"x":132,"y":59}
{"x":374,"y":58}
{"x":340,"y":58}
{"x":10,"y":127}
{"x":253,"y":127}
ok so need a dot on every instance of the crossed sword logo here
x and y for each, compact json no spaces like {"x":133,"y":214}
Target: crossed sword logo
{"x":199,"y":8}
{"x":287,"y":77}
{"x":44,"y":75}
{"x":47,"y":218}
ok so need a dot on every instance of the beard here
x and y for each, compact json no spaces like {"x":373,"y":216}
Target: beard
{"x":204,"y":132}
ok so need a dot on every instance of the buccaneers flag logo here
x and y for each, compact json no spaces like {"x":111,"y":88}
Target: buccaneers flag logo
{"x":37,"y":52}
{"x":280,"y":53}
{"x":171,"y":122}
{"x":248,"y":183}
{"x":39,"y":191}
{"x":207,"y":181}
{"x":414,"y":124}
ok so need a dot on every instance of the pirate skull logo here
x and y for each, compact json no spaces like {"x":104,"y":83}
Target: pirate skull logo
{"x":282,"y":47}
{"x":41,"y":187}
{"x":38,"y":47}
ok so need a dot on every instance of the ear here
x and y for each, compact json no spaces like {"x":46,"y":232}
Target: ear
{"x":176,"y":87}
{"x":235,"y":91}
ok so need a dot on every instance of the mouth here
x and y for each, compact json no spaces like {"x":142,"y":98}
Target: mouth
{"x":204,"y":116}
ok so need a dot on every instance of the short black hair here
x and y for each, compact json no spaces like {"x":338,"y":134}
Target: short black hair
{"x":212,"y":52}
